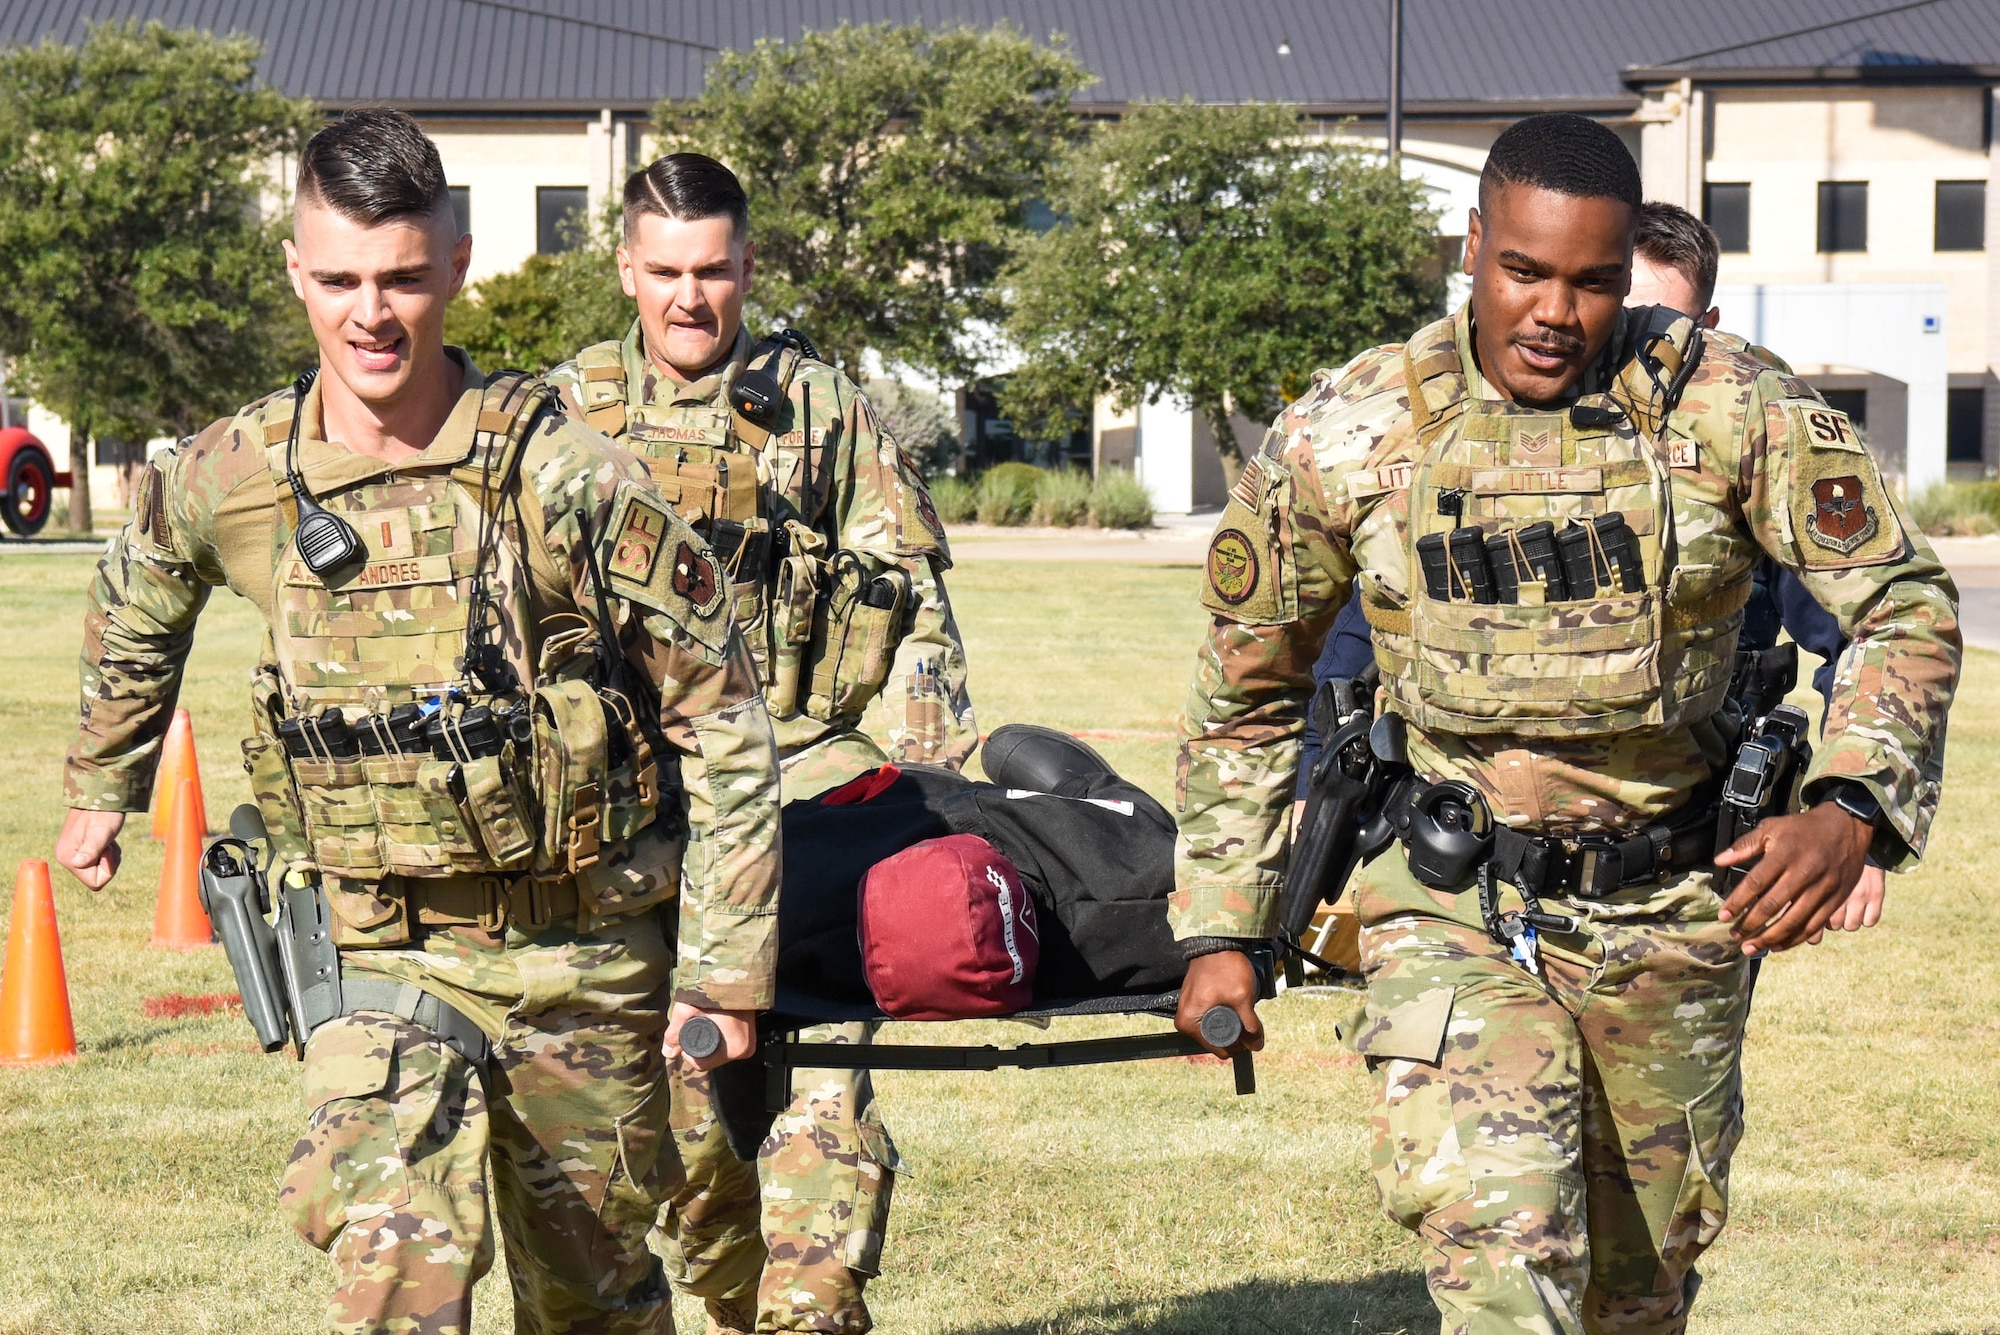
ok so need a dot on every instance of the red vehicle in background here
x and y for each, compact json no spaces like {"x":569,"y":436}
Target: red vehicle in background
{"x":29,"y":477}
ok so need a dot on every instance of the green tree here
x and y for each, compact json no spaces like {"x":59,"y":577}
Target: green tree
{"x":890,"y":172}
{"x":1211,"y":253}
{"x":540,"y":314}
{"x":919,"y":422}
{"x":142,"y":291}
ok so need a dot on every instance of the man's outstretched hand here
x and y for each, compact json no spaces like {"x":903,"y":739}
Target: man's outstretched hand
{"x":1222,"y":979}
{"x":1801,"y":870}
{"x":88,"y":845}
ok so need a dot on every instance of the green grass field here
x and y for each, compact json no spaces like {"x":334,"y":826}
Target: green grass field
{"x":138,"y":1186}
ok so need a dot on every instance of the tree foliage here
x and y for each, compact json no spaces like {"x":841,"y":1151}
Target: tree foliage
{"x":919,"y":422}
{"x":1210,"y":253}
{"x":142,"y":293}
{"x":890,"y":171}
{"x":541,"y":313}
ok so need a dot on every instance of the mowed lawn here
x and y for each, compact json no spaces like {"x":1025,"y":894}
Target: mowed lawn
{"x":137,"y":1187}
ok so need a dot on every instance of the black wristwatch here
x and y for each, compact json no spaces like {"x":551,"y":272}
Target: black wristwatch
{"x":1857,"y":801}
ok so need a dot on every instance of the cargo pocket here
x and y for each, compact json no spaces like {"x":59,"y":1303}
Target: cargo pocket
{"x":349,"y":1165}
{"x":409,"y":842}
{"x":875,"y":1181}
{"x":1714,"y":1125}
{"x":340,"y":818}
{"x":1416,"y":1157}
{"x":644,"y":1176}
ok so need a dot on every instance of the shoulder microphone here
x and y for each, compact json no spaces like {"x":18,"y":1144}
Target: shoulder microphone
{"x":326,"y":542}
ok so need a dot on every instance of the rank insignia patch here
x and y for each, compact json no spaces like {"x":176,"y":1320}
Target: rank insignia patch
{"x":1536,"y":449}
{"x":696,"y":579}
{"x":1841,"y":520}
{"x":1232,"y":567}
{"x":635,"y":546}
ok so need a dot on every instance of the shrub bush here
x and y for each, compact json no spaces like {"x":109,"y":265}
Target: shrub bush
{"x":1007,"y":493}
{"x":1063,"y":500}
{"x":954,"y":499}
{"x":919,"y":423}
{"x":1120,"y":500}
{"x":1957,"y":509}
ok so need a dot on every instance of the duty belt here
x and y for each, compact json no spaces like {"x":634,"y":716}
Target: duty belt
{"x":1592,"y":866}
{"x":1587,"y":866}
{"x":493,"y":902}
{"x":407,"y":1001}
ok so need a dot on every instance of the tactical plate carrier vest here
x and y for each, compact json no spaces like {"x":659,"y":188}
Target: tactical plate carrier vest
{"x":822,"y":628}
{"x":1650,"y":646}
{"x":379,"y":749}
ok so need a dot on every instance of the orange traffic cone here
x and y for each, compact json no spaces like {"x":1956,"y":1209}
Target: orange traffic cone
{"x":35,"y":1025}
{"x":177,"y":762}
{"x":178,"y":920}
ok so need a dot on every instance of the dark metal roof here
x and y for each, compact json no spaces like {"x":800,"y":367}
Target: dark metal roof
{"x":1494,"y":56}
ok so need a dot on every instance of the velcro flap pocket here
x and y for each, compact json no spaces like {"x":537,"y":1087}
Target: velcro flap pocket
{"x":1406,"y":1018}
{"x":350,"y":1059}
{"x":652,"y":1166}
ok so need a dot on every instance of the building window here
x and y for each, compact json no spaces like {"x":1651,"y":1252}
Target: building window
{"x":1853,"y":402}
{"x":1726,"y":209}
{"x":1964,"y":425}
{"x":559,"y":217}
{"x":1843,"y":216}
{"x":461,"y":207}
{"x":1961,"y":215}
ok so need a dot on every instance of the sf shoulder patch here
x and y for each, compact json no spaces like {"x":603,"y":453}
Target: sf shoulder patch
{"x":696,"y":577}
{"x":1841,"y":513}
{"x":636,"y":541}
{"x":654,"y":560}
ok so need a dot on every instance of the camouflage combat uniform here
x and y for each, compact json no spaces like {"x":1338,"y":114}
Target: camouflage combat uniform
{"x":1561,"y":1142}
{"x":828,"y":1165}
{"x":567,"y":968}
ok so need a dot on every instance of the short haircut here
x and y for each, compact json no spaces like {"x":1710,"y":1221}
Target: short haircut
{"x":1566,"y":153}
{"x":1670,"y":235}
{"x":687,"y":187}
{"x":372,"y":166}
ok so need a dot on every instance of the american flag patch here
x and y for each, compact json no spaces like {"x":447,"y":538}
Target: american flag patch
{"x":1248,"y":486}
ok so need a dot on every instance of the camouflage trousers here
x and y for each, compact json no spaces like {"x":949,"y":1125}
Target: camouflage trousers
{"x":567,"y":1124}
{"x":787,"y":1243}
{"x":1561,"y":1143}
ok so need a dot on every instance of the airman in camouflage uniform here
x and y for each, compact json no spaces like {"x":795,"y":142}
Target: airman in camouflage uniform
{"x":507,"y":991}
{"x":1556,"y":1119}
{"x":817,"y":476}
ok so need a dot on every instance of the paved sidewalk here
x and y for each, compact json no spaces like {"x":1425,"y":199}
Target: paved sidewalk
{"x":1174,"y":540}
{"x":1975,"y":564}
{"x":64,"y":546}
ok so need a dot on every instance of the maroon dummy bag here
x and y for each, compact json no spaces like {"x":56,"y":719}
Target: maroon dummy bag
{"x":948,"y":932}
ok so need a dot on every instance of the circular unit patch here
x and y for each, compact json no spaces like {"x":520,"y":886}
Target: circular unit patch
{"x":1232,"y":566}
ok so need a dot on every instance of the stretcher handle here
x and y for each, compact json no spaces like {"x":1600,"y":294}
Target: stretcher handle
{"x":701,"y":1038}
{"x":1223,"y":1027}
